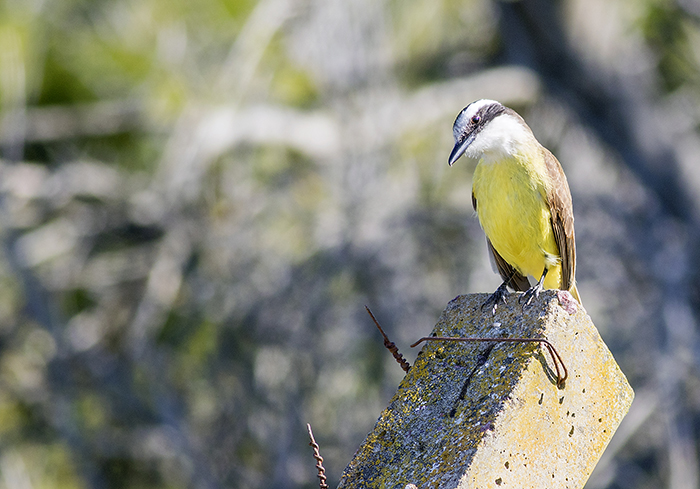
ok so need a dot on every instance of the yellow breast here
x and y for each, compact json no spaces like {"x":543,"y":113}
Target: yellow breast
{"x":513,"y":211}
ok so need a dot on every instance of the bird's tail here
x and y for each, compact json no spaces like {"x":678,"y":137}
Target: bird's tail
{"x":574,"y":292}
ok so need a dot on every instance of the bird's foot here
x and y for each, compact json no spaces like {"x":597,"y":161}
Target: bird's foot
{"x":531,"y":293}
{"x":498,"y":297}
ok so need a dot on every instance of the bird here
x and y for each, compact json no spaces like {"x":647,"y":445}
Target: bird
{"x":522,"y":200}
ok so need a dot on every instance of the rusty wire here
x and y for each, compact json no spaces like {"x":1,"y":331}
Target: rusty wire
{"x":319,"y":459}
{"x":390,"y":345}
{"x":561,"y":376}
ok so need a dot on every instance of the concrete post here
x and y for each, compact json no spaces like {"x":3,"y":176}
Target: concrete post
{"x":490,"y":415}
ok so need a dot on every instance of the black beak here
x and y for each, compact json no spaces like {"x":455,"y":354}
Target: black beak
{"x":460,"y":148}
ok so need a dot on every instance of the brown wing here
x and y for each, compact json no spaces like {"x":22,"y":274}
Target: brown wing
{"x":561,"y":208}
{"x":517,"y":281}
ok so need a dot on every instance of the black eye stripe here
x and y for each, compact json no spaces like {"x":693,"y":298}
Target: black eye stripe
{"x":485,"y":115}
{"x":464,"y":126}
{"x":490,"y":112}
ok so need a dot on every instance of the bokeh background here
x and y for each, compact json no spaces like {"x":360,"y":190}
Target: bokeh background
{"x":197,"y":200}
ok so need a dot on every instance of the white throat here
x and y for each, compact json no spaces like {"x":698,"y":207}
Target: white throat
{"x":505,"y":136}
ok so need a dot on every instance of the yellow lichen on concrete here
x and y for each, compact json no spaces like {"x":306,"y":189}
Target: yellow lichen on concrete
{"x":553,"y":438}
{"x":481,"y":415}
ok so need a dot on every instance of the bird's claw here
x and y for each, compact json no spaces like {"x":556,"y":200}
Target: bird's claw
{"x":529,"y":294}
{"x":498,"y":297}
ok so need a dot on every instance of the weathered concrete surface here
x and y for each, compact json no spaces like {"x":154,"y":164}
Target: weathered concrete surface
{"x":489,"y":415}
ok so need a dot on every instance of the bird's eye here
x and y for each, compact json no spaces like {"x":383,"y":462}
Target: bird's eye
{"x":475,"y":119}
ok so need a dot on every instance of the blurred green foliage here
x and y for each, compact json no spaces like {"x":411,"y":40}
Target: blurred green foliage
{"x":198,"y":199}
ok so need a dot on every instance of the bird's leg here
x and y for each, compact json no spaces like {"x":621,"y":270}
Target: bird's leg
{"x":533,"y":291}
{"x":499,"y":296}
{"x":496,"y":298}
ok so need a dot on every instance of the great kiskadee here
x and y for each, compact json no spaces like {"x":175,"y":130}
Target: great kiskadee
{"x":522,"y":198}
